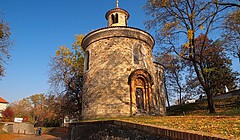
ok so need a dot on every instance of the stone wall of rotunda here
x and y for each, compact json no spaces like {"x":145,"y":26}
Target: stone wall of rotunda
{"x":106,"y":88}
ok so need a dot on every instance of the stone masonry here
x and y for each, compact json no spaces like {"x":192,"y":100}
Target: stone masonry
{"x":120,"y":77}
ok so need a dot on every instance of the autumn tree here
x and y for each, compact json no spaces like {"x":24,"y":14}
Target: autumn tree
{"x":232,"y":3}
{"x":216,"y":65}
{"x":8,"y":114}
{"x":4,"y":45}
{"x":66,"y":74}
{"x":179,"y":22}
{"x":46,"y":109}
{"x":53,"y":107}
{"x":173,"y":72}
{"x":23,"y":108}
{"x":231,"y":33}
{"x":231,"y":28}
{"x":39,"y":109}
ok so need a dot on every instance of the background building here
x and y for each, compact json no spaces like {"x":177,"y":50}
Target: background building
{"x":3,"y":105}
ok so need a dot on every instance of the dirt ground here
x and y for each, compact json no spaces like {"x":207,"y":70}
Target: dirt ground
{"x":51,"y":133}
{"x":42,"y":137}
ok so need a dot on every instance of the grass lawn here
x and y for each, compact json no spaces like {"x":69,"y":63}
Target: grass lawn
{"x":225,"y":122}
{"x":220,"y":125}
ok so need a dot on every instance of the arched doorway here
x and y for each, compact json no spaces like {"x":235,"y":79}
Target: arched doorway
{"x":140,"y":82}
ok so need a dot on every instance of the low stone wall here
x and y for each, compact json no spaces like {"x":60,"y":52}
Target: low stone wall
{"x":227,"y":95}
{"x":8,"y":127}
{"x":122,"y":130}
{"x":19,"y":128}
{"x":107,"y":130}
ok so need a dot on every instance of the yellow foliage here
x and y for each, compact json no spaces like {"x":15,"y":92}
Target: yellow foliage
{"x":155,"y":2}
{"x":190,"y":34}
{"x":78,"y":42}
{"x":79,"y":39}
{"x":201,"y":27}
{"x":192,"y":15}
{"x":207,"y":70}
{"x":187,"y":45}
{"x":71,"y":58}
{"x":57,"y":52}
{"x":164,"y":3}
{"x":180,"y":27}
{"x":181,"y":53}
{"x":236,"y":17}
{"x":168,"y":28}
{"x":227,"y":126}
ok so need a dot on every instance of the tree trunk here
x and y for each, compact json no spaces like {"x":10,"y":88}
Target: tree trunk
{"x":166,"y":93}
{"x":180,"y":96}
{"x":180,"y":92}
{"x":211,"y":105}
{"x":167,"y":99}
{"x":239,"y":57}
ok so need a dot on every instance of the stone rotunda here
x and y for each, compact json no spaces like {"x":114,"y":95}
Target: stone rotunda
{"x":120,"y":77}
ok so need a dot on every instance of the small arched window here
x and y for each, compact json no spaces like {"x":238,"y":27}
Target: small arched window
{"x":135,"y":55}
{"x":138,"y":53}
{"x":86,"y":61}
{"x":126,"y":20}
{"x":114,"y":18}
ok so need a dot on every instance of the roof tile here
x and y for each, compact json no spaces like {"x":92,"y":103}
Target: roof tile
{"x":2,"y":100}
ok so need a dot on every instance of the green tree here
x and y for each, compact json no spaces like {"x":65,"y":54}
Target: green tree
{"x":66,"y":74}
{"x":174,"y":20}
{"x":4,"y":45}
{"x":218,"y":67}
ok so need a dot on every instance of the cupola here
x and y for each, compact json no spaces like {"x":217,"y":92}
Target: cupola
{"x":117,"y":16}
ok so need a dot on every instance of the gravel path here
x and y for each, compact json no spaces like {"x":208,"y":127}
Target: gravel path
{"x":42,"y":137}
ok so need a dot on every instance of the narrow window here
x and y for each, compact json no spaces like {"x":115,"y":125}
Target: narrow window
{"x":112,"y":16}
{"x":126,"y":20}
{"x":86,"y":61}
{"x":139,"y":99}
{"x":116,"y":18}
{"x":135,"y":55}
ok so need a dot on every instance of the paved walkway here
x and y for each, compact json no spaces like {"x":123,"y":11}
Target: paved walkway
{"x":42,"y":137}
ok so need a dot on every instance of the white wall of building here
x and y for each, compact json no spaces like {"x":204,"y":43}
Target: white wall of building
{"x":3,"y":106}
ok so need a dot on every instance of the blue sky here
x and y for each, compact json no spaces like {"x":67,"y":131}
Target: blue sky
{"x":39,"y":26}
